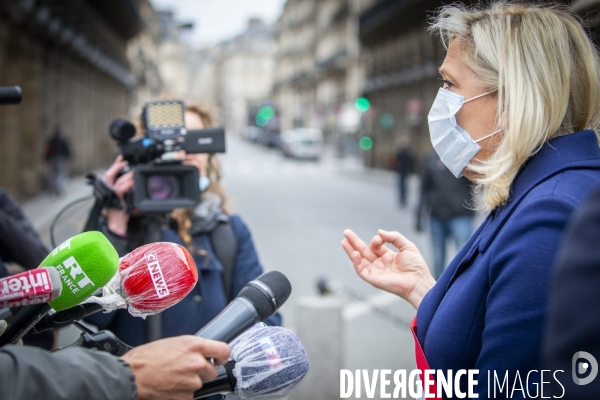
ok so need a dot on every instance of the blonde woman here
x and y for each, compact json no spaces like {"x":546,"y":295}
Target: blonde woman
{"x":194,"y":229}
{"x":516,"y":115}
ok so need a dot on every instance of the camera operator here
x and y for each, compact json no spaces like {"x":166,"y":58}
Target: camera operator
{"x":220,"y":243}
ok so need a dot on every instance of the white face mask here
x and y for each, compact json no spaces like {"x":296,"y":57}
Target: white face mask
{"x":203,"y":182}
{"x":452,"y":143}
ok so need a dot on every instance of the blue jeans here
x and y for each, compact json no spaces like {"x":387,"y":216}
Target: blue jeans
{"x":459,"y":229}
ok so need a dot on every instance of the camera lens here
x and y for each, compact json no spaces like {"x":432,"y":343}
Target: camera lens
{"x":162,"y":187}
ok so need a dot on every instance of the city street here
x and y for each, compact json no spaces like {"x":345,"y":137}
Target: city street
{"x":296,"y":211}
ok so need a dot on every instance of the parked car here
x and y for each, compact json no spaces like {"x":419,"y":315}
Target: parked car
{"x":302,"y":143}
{"x":253,"y":133}
{"x":269,"y":138}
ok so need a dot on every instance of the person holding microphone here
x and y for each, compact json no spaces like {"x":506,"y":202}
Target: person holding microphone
{"x":516,"y":116}
{"x":167,"y":369}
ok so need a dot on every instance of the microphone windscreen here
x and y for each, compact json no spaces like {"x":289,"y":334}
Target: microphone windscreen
{"x":270,"y":361}
{"x":267,"y":293}
{"x":85,"y":263}
{"x":156,"y":276}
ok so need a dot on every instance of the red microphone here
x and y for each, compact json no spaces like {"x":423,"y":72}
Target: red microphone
{"x":36,"y":286}
{"x":151,"y":279}
{"x":156,"y":276}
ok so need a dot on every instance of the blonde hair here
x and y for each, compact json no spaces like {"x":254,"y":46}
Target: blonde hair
{"x":545,"y":71}
{"x":213,"y":172}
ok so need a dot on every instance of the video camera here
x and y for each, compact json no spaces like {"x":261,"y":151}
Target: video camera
{"x":162,"y":182}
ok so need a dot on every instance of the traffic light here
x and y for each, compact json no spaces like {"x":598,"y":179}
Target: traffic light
{"x":362,"y":104}
{"x":264,"y":115}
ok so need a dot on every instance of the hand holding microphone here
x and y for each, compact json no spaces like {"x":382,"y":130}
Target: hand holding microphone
{"x":266,"y":363}
{"x":174,"y":367}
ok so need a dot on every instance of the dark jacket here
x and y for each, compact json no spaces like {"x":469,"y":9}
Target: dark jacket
{"x":27,"y":373}
{"x":405,"y":161}
{"x":487,"y":310}
{"x":573,"y":318}
{"x":57,"y":146}
{"x":207,"y":298}
{"x":443,"y":196}
{"x":19,"y":242}
{"x":3,"y":270}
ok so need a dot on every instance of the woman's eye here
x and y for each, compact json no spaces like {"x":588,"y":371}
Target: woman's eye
{"x":447,"y":83}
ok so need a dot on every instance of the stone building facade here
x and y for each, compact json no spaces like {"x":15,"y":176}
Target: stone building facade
{"x":236,"y":75}
{"x":69,"y":57}
{"x":319,"y":70}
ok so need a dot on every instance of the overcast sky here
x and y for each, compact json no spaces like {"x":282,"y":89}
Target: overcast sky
{"x":216,"y":20}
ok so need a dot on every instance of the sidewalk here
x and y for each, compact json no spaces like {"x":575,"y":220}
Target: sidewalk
{"x":42,"y":209}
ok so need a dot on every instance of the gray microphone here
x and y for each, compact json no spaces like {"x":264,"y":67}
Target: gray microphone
{"x":266,"y":363}
{"x":257,"y":301}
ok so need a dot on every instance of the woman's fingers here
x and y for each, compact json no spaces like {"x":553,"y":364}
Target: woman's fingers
{"x":180,"y":155}
{"x":360,"y":246}
{"x":123,"y":184}
{"x":117,"y":166}
{"x":396,"y":239}
{"x":377,"y":246}
{"x":353,"y":255}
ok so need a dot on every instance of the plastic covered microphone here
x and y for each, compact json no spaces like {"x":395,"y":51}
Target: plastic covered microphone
{"x":151,"y":279}
{"x":257,"y":301}
{"x":84,"y":263}
{"x":35,"y":286}
{"x":266,"y":363}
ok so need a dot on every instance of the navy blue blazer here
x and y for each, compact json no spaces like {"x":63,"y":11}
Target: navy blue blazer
{"x":207,"y":298}
{"x":487,"y":309}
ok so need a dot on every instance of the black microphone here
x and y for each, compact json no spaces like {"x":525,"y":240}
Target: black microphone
{"x":223,"y":383}
{"x":10,"y":95}
{"x":7,"y":314}
{"x":121,"y":130}
{"x":266,"y":363}
{"x":257,"y":301}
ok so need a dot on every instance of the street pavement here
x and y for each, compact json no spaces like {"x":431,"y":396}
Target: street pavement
{"x":296,"y":211}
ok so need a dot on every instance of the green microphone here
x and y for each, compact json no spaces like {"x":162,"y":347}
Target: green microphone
{"x":85,"y":263}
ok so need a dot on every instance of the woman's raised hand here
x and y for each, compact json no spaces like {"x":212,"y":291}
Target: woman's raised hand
{"x":404,"y":273}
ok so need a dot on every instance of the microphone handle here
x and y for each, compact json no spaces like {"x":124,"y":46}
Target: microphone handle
{"x":6,"y":314}
{"x":223,"y":383}
{"x":66,"y":317}
{"x":9,"y":313}
{"x":22,"y":323}
{"x":236,"y":318}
